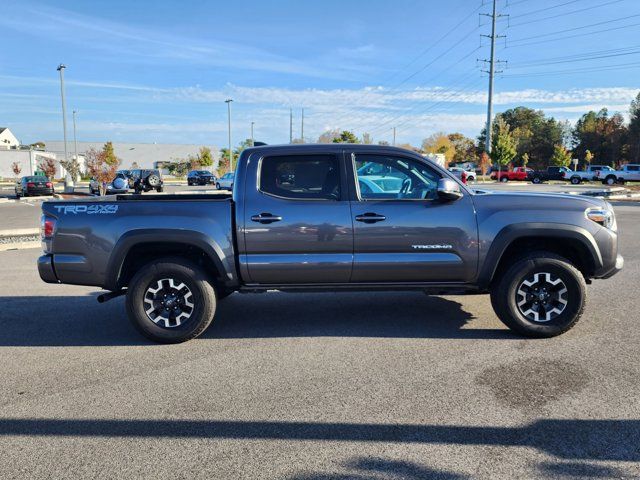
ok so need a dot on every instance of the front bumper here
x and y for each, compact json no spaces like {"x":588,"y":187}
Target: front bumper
{"x":616,"y":268}
{"x":45,"y":269}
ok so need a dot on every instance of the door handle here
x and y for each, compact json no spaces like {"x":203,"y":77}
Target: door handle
{"x":265,"y":218}
{"x":370,"y":217}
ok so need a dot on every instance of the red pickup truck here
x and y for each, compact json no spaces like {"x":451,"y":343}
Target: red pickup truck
{"x":518,"y":173}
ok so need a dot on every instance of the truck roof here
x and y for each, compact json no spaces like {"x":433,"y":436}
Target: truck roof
{"x":324,"y":147}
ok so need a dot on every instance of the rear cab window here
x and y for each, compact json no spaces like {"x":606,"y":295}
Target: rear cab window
{"x":306,"y":177}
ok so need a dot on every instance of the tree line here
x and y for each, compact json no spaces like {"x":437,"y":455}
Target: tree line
{"x":523,"y":136}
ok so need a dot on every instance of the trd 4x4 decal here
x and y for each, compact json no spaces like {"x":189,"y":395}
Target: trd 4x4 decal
{"x":88,"y":209}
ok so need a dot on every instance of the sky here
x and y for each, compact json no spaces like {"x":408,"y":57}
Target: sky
{"x":142,"y":71}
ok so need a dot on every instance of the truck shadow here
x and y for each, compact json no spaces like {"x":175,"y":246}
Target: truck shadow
{"x":81,"y":321}
{"x":566,"y":439}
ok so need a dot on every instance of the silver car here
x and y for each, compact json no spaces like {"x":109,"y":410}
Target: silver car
{"x":225,"y":182}
{"x":117,"y":186}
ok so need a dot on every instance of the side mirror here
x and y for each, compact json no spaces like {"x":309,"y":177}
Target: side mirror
{"x":448,"y":190}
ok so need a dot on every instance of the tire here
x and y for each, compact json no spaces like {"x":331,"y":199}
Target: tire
{"x":17,"y":195}
{"x":185,"y":322}
{"x":610,"y":180}
{"x":576,"y":180}
{"x":153,"y":180}
{"x":504,"y":179}
{"x":189,"y":183}
{"x":160,"y":189}
{"x":538,"y":268}
{"x":536,"y":180}
{"x":217,"y":186}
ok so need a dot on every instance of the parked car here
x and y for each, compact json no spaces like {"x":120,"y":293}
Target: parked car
{"x":518,"y":174}
{"x":225,"y":182}
{"x":590,"y":174}
{"x":200,"y":177}
{"x":119,"y":185}
{"x":628,"y":173}
{"x":298,"y":223}
{"x":551,"y":173}
{"x":466,"y":176}
{"x":34,"y":185}
{"x":145,"y":180}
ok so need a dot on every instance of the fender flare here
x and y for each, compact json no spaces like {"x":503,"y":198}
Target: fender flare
{"x":513,"y":232}
{"x":162,"y":235}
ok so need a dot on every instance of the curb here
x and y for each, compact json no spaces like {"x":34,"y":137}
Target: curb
{"x":19,"y":232}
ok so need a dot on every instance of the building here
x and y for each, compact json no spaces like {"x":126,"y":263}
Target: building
{"x":28,"y":160}
{"x":137,"y":155}
{"x":7,"y":139}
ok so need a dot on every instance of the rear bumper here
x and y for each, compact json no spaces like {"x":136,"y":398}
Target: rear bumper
{"x":39,"y":191}
{"x":45,"y":269}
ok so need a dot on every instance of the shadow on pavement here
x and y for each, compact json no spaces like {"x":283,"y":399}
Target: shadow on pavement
{"x":81,"y":321}
{"x":617,"y":440}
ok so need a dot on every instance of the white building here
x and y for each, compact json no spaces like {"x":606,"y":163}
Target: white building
{"x":27,"y":159}
{"x":142,"y":155}
{"x":7,"y":139}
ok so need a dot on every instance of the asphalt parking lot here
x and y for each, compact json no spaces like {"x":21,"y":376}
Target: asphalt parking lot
{"x":319,"y":386}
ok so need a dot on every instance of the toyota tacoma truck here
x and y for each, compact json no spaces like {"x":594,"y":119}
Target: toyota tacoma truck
{"x":334,"y":217}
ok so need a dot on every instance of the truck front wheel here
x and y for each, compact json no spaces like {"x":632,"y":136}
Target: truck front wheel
{"x":171,"y":300}
{"x":541,"y":295}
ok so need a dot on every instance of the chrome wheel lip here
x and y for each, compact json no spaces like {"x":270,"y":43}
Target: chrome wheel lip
{"x":541,"y":297}
{"x":168,"y":302}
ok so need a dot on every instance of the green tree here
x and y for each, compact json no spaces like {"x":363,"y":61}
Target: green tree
{"x":603,"y":135}
{"x":561,"y":156}
{"x":204,"y":157}
{"x":633,"y":139}
{"x":504,"y":147}
{"x":346,"y":136}
{"x":533,"y":132}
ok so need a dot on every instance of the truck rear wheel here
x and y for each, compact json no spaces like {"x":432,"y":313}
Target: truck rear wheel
{"x":576,"y":180}
{"x":171,"y":300}
{"x":541,"y":295}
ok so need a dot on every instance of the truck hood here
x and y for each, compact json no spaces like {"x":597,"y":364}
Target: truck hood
{"x":546,"y":198}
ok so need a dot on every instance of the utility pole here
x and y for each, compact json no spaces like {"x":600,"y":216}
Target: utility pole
{"x":252,"y":141}
{"x":302,"y":126}
{"x":291,"y":125}
{"x":492,"y":71}
{"x":228,"y":102}
{"x":394,"y":136}
{"x":68,"y":181}
{"x":75,"y":139}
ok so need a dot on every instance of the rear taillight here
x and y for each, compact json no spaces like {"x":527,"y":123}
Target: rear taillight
{"x":31,"y":185}
{"x":47,"y":227}
{"x":463,"y":177}
{"x":49,"y":184}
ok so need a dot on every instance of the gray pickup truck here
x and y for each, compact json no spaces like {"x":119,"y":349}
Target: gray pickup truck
{"x":333,"y":217}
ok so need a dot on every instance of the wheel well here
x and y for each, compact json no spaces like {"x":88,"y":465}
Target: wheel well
{"x":573,"y":250}
{"x":143,"y":253}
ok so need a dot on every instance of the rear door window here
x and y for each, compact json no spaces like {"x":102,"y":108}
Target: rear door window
{"x":310,"y":177}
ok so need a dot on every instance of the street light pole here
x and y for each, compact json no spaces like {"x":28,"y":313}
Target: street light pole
{"x":252,"y":141}
{"x":75,"y":140}
{"x":68,"y":181}
{"x":228,"y":102}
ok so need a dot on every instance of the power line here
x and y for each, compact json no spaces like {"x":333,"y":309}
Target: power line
{"x":593,"y":32}
{"x":567,"y":13}
{"x":544,"y":9}
{"x":577,"y":58}
{"x":601,"y":68}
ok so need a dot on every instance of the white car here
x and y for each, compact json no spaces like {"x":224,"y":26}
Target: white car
{"x":225,"y":182}
{"x":470,"y":174}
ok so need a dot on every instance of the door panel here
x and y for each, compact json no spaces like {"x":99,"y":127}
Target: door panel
{"x":306,"y":239}
{"x":417,"y":238}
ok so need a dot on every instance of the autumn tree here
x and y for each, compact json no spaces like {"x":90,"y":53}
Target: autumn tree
{"x":102,"y":165}
{"x":439,"y":143}
{"x":346,"y":136}
{"x":504,"y":147}
{"x":525,"y":159}
{"x":561,"y":156}
{"x":72,"y":167}
{"x":588,"y":158}
{"x":602,"y":134}
{"x":16,"y":168}
{"x":48,"y":166}
{"x":464,"y":148}
{"x":366,"y":139}
{"x":485,"y":162}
